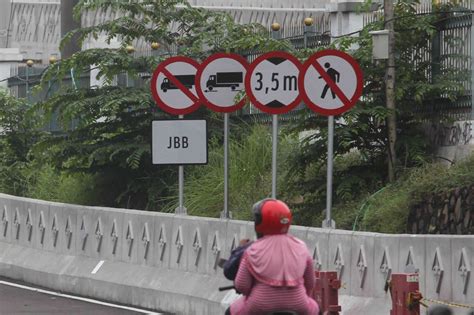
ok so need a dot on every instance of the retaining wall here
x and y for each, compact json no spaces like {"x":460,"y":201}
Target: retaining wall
{"x":169,"y":262}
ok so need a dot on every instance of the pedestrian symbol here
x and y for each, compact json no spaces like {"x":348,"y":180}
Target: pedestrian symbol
{"x":334,"y":75}
{"x":330,"y":71}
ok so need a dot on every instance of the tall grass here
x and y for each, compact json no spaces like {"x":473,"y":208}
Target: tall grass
{"x":46,"y":183}
{"x":388,"y":211}
{"x":250,"y":158}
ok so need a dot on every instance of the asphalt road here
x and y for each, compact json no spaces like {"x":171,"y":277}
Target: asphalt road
{"x":17,"y":300}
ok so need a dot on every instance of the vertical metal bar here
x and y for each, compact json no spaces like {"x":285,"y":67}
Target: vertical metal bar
{"x":274,"y":153}
{"x":472,"y":64}
{"x":329,"y":222}
{"x":181,"y":187}
{"x":276,"y":35}
{"x":181,"y":209}
{"x":27,"y":84}
{"x":226,"y":166}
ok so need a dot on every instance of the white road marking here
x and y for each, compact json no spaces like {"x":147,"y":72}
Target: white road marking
{"x":72,"y":297}
{"x":99,"y":264}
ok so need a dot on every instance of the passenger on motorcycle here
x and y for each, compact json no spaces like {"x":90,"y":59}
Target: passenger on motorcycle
{"x":276,"y":271}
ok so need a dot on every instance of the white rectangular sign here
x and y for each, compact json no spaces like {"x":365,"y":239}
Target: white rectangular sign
{"x":179,"y":142}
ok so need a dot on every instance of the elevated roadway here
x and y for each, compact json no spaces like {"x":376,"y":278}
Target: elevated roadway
{"x":17,"y":298}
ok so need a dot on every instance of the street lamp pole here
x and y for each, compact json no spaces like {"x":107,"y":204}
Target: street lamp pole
{"x":29,"y":64}
{"x":390,"y":88}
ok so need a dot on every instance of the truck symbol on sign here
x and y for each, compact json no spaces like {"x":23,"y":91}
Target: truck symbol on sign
{"x":225,"y":79}
{"x":186,"y":79}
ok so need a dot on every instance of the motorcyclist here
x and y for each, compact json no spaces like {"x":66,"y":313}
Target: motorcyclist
{"x":276,"y":271}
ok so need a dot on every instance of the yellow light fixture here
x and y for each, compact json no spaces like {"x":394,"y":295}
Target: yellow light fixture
{"x":30,"y":63}
{"x":308,"y":21}
{"x":275,"y":26}
{"x":130,"y":49}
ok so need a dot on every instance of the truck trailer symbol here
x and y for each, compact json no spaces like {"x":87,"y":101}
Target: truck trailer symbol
{"x":225,"y":79}
{"x":186,"y":79}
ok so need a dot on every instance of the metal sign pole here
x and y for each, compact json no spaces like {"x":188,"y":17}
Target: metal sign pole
{"x":329,"y":223}
{"x":181,"y":209}
{"x":274,"y":154}
{"x":275,"y":35}
{"x":226,"y":166}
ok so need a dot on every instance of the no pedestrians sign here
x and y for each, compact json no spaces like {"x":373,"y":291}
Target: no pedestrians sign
{"x":330,"y":82}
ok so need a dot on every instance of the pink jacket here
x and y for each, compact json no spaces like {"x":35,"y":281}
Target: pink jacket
{"x":276,"y":273}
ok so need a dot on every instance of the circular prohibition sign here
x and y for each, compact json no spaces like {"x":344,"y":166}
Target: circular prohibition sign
{"x":330,"y":82}
{"x":173,"y":85}
{"x":271,"y":82}
{"x":219,"y":80}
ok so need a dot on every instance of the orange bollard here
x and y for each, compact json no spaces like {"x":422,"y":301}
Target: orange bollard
{"x":325,"y":292}
{"x":404,"y":289}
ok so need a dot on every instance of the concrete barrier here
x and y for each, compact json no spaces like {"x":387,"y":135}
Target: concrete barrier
{"x":169,"y":262}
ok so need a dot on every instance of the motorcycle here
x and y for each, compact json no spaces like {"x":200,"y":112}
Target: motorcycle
{"x":232,"y":287}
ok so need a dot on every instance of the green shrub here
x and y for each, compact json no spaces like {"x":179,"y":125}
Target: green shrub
{"x":250,"y":158}
{"x":388,"y":211}
{"x":46,"y":183}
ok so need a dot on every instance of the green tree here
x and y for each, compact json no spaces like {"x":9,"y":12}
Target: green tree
{"x":361,"y":134}
{"x":17,"y":134}
{"x":112,"y":124}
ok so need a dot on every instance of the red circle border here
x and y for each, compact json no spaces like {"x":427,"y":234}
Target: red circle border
{"x":357,"y":93}
{"x":253,"y":99}
{"x":197,"y":83}
{"x":156,"y":97}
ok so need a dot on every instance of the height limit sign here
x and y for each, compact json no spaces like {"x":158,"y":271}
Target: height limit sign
{"x":271,"y":82}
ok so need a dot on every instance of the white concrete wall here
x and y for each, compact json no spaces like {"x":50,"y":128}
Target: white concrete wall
{"x":168,"y":262}
{"x":8,"y":58}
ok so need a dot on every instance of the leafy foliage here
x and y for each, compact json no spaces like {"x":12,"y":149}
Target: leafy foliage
{"x":361,"y":134}
{"x":107,"y":129}
{"x":17,"y":134}
{"x":249,"y":173}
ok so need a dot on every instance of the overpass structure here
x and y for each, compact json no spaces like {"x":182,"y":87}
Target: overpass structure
{"x":169,"y":262}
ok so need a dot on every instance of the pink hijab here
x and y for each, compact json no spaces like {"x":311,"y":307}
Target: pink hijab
{"x":278,"y":260}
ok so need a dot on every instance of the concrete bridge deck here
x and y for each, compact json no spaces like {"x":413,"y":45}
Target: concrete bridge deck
{"x":169,"y":262}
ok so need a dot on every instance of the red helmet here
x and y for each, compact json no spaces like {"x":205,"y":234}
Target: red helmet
{"x":271,"y":216}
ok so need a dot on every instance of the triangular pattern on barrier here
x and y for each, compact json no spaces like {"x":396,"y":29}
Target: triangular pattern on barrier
{"x":216,"y":249}
{"x":410,"y":263}
{"x":235,"y":242}
{"x":98,"y":234}
{"x":438,"y":269}
{"x":130,"y":237}
{"x":386,"y":266}
{"x":145,"y":240}
{"x":68,"y":232}
{"x":83,"y":233}
{"x":464,"y":269}
{"x":339,"y":261}
{"x":4,"y":215}
{"x":362,"y":266}
{"x":54,"y":229}
{"x":29,"y":224}
{"x":114,"y":236}
{"x":179,"y":244}
{"x":41,"y":226}
{"x":317,"y":258}
{"x":197,"y":246}
{"x":17,"y":223}
{"x":162,"y":241}
{"x":5,"y":221}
